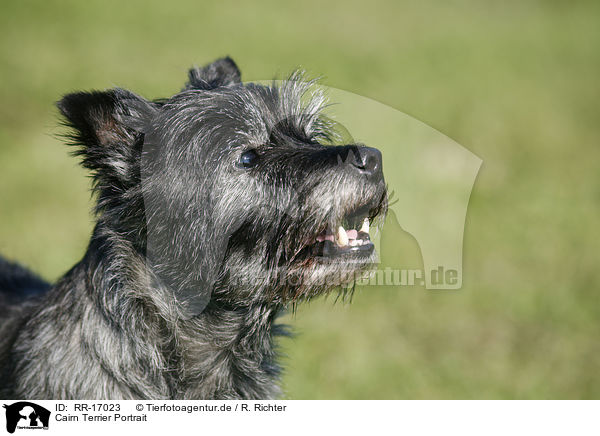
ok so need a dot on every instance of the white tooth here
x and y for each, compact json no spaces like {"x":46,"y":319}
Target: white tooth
{"x":365,"y":226}
{"x":342,"y":236}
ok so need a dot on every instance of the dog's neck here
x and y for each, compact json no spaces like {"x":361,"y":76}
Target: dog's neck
{"x":222,"y":346}
{"x":203,"y":357}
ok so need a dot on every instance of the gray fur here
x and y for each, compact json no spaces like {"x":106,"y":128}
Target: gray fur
{"x":193,"y":257}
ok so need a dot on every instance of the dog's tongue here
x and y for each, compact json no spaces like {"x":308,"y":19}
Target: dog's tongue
{"x":326,"y":237}
{"x":344,"y":236}
{"x":352,"y":234}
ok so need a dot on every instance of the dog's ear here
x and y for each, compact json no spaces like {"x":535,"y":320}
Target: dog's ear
{"x":222,"y":72}
{"x":107,"y":128}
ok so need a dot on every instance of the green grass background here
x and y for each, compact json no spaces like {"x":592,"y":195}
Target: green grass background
{"x":515,"y":82}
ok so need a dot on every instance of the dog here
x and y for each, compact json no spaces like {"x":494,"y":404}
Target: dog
{"x":217,"y":209}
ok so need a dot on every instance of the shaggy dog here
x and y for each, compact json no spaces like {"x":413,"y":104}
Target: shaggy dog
{"x":217,"y":208}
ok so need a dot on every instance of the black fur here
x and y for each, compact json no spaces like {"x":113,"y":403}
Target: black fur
{"x":215,"y":211}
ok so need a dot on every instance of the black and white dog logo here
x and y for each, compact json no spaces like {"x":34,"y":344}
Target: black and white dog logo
{"x":26,"y":415}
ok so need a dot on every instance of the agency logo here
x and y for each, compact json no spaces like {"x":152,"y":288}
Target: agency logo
{"x":26,"y":415}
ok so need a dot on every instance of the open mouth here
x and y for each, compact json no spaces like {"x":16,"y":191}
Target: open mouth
{"x":349,"y":238}
{"x":343,"y":241}
{"x":346,"y":237}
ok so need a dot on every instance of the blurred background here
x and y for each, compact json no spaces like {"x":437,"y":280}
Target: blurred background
{"x":514,"y":82}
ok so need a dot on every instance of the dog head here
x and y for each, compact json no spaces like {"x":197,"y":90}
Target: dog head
{"x":232,"y":191}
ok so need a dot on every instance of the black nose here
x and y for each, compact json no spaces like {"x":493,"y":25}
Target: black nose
{"x":367,"y":161}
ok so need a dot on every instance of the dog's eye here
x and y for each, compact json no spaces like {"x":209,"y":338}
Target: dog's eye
{"x":248,"y":159}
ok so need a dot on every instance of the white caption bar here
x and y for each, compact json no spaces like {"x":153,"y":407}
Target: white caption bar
{"x":21,"y":417}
